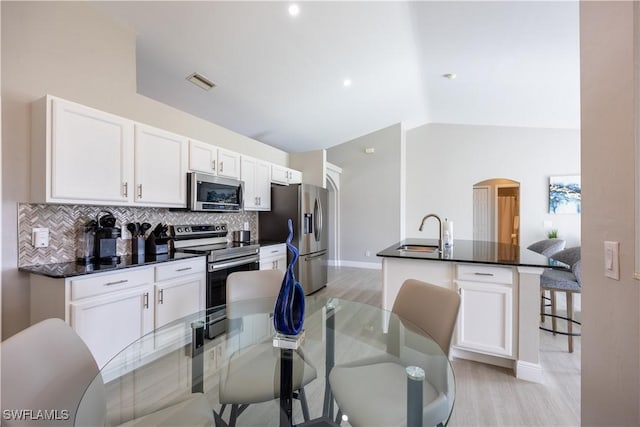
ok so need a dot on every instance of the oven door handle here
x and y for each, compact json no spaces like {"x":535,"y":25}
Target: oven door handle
{"x":235,"y":263}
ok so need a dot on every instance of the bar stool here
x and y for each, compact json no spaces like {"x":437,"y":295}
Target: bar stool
{"x":567,"y":281}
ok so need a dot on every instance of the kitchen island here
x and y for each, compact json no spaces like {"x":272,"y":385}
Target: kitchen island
{"x":499,"y":286}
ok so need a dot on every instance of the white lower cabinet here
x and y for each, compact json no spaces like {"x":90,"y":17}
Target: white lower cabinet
{"x":180,"y":291}
{"x":110,"y":322}
{"x":486,"y":317}
{"x":273,"y":257}
{"x":110,"y":311}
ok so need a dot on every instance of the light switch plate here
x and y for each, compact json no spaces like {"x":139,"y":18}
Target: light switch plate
{"x":612,"y":260}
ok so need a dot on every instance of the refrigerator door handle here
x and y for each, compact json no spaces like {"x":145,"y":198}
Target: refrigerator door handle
{"x":317,"y":214}
{"x":317,"y":255}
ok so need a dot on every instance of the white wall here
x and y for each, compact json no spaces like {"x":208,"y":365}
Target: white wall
{"x":370,"y":203}
{"x":443,"y":162}
{"x":611,"y":318}
{"x":70,"y":50}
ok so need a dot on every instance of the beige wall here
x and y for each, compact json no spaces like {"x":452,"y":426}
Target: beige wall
{"x":68,"y":49}
{"x":611,"y":317}
{"x":370,"y":204}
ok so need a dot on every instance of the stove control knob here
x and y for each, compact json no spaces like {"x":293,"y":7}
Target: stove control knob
{"x":179,"y":230}
{"x":217,"y":228}
{"x":187,"y":229}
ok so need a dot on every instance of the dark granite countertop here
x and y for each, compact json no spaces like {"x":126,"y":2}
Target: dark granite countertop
{"x":71,"y":269}
{"x":474,"y":251}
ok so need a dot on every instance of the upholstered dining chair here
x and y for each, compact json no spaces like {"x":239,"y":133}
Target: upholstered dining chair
{"x":567,"y":281}
{"x":546,"y":247}
{"x":48,"y":367}
{"x":253,"y":372}
{"x":373,"y":391}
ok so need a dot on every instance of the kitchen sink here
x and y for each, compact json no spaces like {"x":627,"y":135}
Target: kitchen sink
{"x":418,"y":248}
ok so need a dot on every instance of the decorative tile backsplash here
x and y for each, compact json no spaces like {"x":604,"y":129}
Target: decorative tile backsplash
{"x":64,"y":222}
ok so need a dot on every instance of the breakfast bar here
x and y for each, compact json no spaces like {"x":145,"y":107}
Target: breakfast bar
{"x":499,"y":285}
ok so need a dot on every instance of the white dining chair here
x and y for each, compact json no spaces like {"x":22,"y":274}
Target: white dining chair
{"x":373,"y":392}
{"x":253,"y":373}
{"x":48,"y":367}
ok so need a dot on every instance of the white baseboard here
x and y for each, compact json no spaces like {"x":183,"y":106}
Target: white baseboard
{"x":482,"y":358}
{"x":358,"y":264}
{"x":529,"y":371}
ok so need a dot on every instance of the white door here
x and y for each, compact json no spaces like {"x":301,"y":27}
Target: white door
{"x":482,"y":222}
{"x":91,"y":154}
{"x":485,"y":322}
{"x":248,"y":175}
{"x":111,"y":322}
{"x":228,"y":164}
{"x":160,"y":167}
{"x":202,"y":157}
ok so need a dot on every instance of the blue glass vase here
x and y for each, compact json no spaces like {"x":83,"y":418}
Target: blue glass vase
{"x":288,"y":314}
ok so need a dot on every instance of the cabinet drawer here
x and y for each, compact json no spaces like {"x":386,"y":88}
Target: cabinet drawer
{"x":273,"y":251}
{"x":173,"y":269}
{"x":483,"y":273}
{"x":91,"y":286}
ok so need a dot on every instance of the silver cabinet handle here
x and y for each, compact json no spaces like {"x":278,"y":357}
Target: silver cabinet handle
{"x":221,"y":166}
{"x":213,"y":165}
{"x":161,"y":296}
{"x":140,"y":191}
{"x":117,"y":282}
{"x":125,"y":189}
{"x":483,"y":274}
{"x":146,"y":300}
{"x":184,"y":269}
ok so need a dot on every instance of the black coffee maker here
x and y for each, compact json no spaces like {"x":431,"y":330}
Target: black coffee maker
{"x":99,"y":241}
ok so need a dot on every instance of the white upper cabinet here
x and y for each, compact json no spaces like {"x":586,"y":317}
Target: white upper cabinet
{"x":79,"y":154}
{"x":207,"y":158}
{"x":285,"y":176}
{"x":228,"y":164}
{"x":160,"y":167}
{"x":203,"y":157}
{"x":256,"y":175}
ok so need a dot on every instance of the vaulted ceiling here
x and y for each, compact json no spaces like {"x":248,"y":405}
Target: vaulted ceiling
{"x":280,"y":79}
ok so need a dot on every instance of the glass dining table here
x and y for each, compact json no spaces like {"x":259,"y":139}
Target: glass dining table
{"x":178,"y":359}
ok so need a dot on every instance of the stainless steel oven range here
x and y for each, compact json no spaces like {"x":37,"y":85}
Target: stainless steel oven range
{"x":223,"y":258}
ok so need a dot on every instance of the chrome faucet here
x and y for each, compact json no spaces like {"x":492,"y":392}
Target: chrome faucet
{"x":439,"y":228}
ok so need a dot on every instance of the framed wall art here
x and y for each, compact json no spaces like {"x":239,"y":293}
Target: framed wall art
{"x":564,"y":194}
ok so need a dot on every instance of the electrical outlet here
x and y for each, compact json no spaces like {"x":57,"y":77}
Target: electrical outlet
{"x":40,"y":237}
{"x":367,"y":253}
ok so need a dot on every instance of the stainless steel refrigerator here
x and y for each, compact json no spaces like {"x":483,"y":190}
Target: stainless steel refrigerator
{"x":306,"y":205}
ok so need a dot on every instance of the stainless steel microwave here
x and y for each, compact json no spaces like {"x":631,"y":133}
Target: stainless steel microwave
{"x":210,"y":193}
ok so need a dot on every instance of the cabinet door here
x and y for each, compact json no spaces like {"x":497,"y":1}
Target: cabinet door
{"x":295,"y":177}
{"x":91,"y":153}
{"x":111,"y":322}
{"x":202,"y":157}
{"x":178,"y":298}
{"x":160,"y":167}
{"x":279,"y":175}
{"x":228,"y":164}
{"x":175,"y":299}
{"x":485,"y":322}
{"x":248,"y":175}
{"x":263,"y":186}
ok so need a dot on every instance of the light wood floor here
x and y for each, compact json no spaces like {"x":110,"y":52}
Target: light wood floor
{"x":487,"y":395}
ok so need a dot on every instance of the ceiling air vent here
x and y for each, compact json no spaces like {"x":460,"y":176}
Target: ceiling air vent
{"x":201,"y":81}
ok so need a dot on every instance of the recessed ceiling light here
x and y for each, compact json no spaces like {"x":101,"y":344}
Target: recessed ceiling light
{"x":294,"y":10}
{"x":346,"y":82}
{"x":201,"y":81}
{"x":449,"y":76}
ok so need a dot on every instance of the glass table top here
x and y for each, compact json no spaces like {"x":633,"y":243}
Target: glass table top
{"x":241,"y":363}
